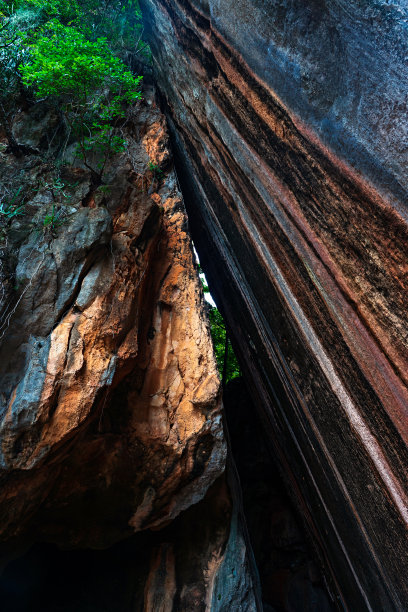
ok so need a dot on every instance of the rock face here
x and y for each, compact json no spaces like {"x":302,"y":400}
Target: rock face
{"x":110,"y":416}
{"x":198,"y":562}
{"x":289,"y":123}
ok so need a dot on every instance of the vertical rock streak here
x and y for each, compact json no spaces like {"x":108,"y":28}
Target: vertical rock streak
{"x":308,"y":259}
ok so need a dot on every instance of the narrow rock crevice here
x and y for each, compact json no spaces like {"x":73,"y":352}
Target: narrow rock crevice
{"x":296,"y":195}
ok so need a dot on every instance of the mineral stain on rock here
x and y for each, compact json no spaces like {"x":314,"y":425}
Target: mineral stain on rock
{"x":124,"y":485}
{"x":289,"y":131}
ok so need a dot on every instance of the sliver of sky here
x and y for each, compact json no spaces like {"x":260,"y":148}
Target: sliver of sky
{"x":207,"y":295}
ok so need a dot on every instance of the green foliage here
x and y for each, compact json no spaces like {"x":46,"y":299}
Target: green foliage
{"x":90,"y":84}
{"x":157,"y":171}
{"x":66,"y":11}
{"x":218,"y":334}
{"x":12,"y":208}
{"x":222,"y":345}
{"x":52,"y":221}
{"x":71,"y":54}
{"x":120,"y":20}
{"x":57,"y":187}
{"x":12,"y":51}
{"x":64,"y":63}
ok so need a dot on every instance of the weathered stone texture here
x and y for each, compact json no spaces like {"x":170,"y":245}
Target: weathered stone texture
{"x":111,"y":411}
{"x":289,"y":121}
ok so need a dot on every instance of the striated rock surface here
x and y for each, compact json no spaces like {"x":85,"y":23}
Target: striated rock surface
{"x":289,"y":576}
{"x":110,"y":403}
{"x":289,"y":122}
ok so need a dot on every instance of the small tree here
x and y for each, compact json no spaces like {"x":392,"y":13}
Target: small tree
{"x":90,"y":84}
{"x":20,"y":21}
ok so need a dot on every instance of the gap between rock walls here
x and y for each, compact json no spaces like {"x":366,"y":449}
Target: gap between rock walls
{"x":296,"y":199}
{"x":116,"y":275}
{"x":228,"y":434}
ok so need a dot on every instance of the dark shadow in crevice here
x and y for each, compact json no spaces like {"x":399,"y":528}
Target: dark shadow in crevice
{"x":291,"y":580}
{"x":166,"y":567}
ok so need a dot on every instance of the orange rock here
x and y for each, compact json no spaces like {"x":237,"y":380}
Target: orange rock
{"x":126,"y":429}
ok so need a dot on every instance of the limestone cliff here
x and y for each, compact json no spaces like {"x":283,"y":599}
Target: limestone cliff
{"x":111,"y":409}
{"x":289,"y":122}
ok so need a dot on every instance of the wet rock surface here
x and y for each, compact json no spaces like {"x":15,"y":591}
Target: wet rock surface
{"x":297,"y":203}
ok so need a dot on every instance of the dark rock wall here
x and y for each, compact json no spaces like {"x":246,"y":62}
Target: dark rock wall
{"x":289,"y":123}
{"x":289,"y":575}
{"x":171,"y":570}
{"x":340,"y":66}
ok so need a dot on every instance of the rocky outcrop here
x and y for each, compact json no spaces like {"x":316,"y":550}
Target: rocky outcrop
{"x":289,"y":126}
{"x":198,"y":562}
{"x":111,"y":411}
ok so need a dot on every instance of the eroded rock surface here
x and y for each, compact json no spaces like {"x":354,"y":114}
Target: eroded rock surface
{"x":289,"y":120}
{"x":110,"y":414}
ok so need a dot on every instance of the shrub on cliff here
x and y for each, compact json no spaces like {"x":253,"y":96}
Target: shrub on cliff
{"x":13,"y":28}
{"x":71,"y":53}
{"x":90,"y":84}
{"x":224,"y":353}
